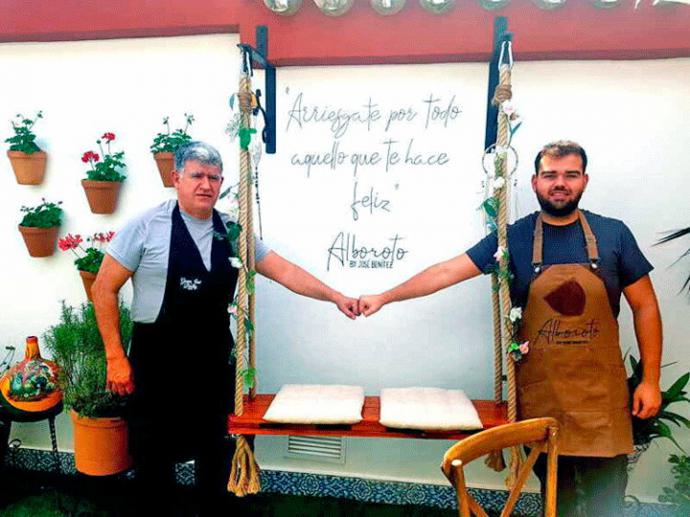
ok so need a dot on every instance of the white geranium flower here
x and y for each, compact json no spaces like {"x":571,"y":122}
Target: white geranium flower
{"x":507,"y":108}
{"x":515,"y":314}
{"x":499,"y":253}
{"x":236,"y":262}
{"x":499,"y":183}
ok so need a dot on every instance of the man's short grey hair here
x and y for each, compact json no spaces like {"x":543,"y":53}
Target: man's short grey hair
{"x":199,"y":151}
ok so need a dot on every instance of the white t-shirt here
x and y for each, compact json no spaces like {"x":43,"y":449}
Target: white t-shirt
{"x":143,"y":246}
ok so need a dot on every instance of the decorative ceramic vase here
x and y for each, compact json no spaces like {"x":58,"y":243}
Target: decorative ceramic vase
{"x":102,"y":195}
{"x":29,"y":390}
{"x":166,"y":164}
{"x":39,"y":241}
{"x":28,"y":168}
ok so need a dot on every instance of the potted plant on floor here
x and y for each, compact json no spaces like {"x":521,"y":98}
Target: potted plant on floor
{"x":164,"y":147}
{"x":39,"y":227}
{"x":678,"y":496}
{"x":647,"y":430}
{"x":27,"y":159}
{"x":100,"y":432}
{"x":88,"y":259}
{"x":105,"y":177}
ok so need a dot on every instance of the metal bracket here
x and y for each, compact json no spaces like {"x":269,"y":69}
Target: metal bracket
{"x":259,"y":56}
{"x":501,"y":35}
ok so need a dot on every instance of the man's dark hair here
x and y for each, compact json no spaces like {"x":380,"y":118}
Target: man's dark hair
{"x":559,"y":149}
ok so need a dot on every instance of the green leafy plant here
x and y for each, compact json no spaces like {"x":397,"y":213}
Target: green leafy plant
{"x":76,"y":345}
{"x":88,"y":259}
{"x":646,"y":430}
{"x":169,"y":142}
{"x":679,"y":495}
{"x":24,"y":139}
{"x":107,"y":169}
{"x":45,"y":215}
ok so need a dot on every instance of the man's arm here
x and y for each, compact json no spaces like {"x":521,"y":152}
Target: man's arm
{"x":111,"y":277}
{"x":299,"y":281}
{"x":432,"y":279}
{"x":640,"y":295}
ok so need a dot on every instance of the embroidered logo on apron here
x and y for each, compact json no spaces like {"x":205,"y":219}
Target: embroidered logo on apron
{"x":189,"y":284}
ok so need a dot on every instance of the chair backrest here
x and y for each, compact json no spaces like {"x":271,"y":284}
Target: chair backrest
{"x":541,"y":434}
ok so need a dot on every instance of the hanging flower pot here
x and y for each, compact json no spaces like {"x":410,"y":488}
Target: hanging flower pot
{"x":101,"y":445}
{"x":90,"y":258}
{"x":165,"y":163}
{"x":27,"y":159}
{"x":164,"y":146}
{"x":40,"y":242}
{"x":87,"y":279}
{"x":39,"y":228}
{"x":104,"y":178}
{"x":29,"y":169}
{"x":102,"y":195}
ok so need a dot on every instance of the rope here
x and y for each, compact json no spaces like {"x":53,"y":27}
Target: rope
{"x":503,"y":93}
{"x":495,"y":459}
{"x":244,"y":472}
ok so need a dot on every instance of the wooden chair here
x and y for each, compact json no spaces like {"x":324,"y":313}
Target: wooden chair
{"x":541,"y":434}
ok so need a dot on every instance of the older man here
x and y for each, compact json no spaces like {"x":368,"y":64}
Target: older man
{"x":179,"y":372}
{"x":570,"y":267}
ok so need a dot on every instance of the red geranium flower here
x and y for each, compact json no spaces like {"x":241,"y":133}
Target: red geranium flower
{"x":70,"y":242}
{"x":108,"y":137}
{"x":89,"y":156}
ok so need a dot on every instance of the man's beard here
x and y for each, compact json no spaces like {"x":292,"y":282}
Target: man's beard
{"x":558,"y":211}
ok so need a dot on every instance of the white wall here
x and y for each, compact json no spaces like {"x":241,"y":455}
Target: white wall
{"x":632,"y":117}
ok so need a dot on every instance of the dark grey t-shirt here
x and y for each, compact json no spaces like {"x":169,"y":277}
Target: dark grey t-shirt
{"x":621,"y":261}
{"x":143,"y":246}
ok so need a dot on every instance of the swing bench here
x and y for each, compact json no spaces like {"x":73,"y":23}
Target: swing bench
{"x":250,"y":408}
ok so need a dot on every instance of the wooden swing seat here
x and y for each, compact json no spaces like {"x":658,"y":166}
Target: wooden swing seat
{"x":251,"y":422}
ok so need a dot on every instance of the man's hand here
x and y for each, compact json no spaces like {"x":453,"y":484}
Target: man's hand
{"x":371,"y":303}
{"x":646,"y":400}
{"x":348,"y":306}
{"x":120,"y":379}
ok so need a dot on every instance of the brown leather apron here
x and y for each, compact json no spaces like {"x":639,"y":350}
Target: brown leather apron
{"x":574,"y":371}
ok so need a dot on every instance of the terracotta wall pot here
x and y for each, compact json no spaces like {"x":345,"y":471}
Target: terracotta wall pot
{"x":102,"y":195}
{"x":87,"y":279}
{"x":39,"y":241}
{"x":28,"y":168}
{"x":166,"y":164}
{"x":101,"y":445}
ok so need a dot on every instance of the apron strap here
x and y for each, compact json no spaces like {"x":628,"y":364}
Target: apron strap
{"x":590,"y":240}
{"x":538,"y":247}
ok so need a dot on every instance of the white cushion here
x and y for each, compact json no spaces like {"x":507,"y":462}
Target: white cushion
{"x":316,"y":404}
{"x":429,"y":409}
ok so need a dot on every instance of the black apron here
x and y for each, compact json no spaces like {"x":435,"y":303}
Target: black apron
{"x":183,"y":372}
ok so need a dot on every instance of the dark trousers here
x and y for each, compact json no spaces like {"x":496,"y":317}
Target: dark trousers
{"x":587,"y":486}
{"x":155,"y":481}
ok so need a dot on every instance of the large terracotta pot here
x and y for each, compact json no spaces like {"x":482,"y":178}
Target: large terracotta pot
{"x":166,"y":164}
{"x":28,"y":168}
{"x":87,"y":279}
{"x":39,"y":241}
{"x":101,"y":445}
{"x":102,"y":195}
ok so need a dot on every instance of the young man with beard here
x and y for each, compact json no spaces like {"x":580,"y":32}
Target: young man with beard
{"x":570,"y":267}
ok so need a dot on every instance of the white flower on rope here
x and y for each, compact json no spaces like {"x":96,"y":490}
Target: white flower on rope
{"x":500,"y":253}
{"x":515,"y":314}
{"x":499,"y":183}
{"x":236,"y":262}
